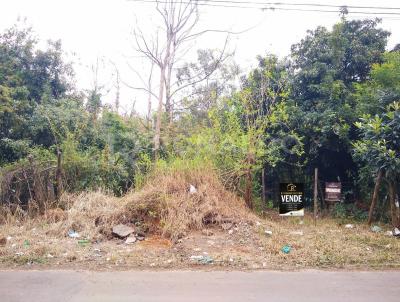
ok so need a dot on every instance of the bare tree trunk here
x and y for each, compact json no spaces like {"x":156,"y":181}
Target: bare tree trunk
{"x":375,"y":196}
{"x":263,"y":186}
{"x":248,"y":185}
{"x":59,"y":186}
{"x":168,"y":101}
{"x":149,"y":84}
{"x":393,"y":209}
{"x":315,"y":195}
{"x":157,"y":133}
{"x":117,"y":92}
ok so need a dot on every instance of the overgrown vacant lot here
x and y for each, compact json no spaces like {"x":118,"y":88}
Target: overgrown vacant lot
{"x":209,"y":228}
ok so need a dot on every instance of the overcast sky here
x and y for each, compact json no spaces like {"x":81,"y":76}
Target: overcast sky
{"x":103,"y":29}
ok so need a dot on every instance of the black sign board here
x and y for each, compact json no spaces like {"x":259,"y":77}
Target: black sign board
{"x":291,"y":199}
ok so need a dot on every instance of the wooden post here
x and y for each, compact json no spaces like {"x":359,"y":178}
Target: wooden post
{"x":375,"y":196}
{"x":59,"y":175}
{"x":315,"y":195}
{"x":263,"y":187}
{"x":393,"y":208}
{"x":321,"y":192}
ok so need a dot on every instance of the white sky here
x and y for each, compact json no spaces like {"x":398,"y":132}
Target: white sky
{"x":102,"y":29}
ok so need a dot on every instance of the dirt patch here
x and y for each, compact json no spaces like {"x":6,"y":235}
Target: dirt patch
{"x":244,"y":246}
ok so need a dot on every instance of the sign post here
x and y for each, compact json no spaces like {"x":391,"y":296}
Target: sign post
{"x":315,"y":195}
{"x":291,"y":199}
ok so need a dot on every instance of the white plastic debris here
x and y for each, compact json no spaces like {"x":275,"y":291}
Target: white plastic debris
{"x":192,"y":189}
{"x":230,"y":232}
{"x":195,"y":257}
{"x":349,"y":226}
{"x":268,"y":232}
{"x":299,"y":233}
{"x":376,"y":229}
{"x":396,"y":232}
{"x":73,"y":234}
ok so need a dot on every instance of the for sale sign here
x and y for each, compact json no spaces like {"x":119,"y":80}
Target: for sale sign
{"x":333,"y":191}
{"x":291,"y":199}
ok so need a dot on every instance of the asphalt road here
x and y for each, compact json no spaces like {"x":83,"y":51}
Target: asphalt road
{"x":188,"y":286}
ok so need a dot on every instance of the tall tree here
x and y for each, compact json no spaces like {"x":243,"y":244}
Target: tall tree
{"x":326,"y":66}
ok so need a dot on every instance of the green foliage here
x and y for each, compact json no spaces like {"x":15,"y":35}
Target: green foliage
{"x":379,"y":126}
{"x":349,"y":211}
{"x":327,"y":68}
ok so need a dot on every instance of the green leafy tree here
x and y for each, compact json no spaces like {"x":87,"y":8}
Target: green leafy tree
{"x":326,"y":66}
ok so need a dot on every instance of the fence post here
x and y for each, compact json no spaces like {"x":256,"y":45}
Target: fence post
{"x":315,"y":195}
{"x":58,"y":175}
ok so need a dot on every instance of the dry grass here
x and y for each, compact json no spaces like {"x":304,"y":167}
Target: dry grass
{"x":166,"y":203}
{"x":162,"y":206}
{"x":167,"y":211}
{"x":330,"y":244}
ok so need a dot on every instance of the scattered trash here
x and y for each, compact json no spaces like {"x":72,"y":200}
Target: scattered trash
{"x":9,"y":237}
{"x":26,"y":243}
{"x":203,"y":259}
{"x":349,"y":226}
{"x":268,"y":233}
{"x":130,"y":239}
{"x":230,"y":232}
{"x":300,"y":233}
{"x":19,"y":253}
{"x":376,"y":229}
{"x":396,"y":232}
{"x":50,"y":256}
{"x":122,"y":230}
{"x":83,"y":242}
{"x":152,"y":264}
{"x":286,"y":249}
{"x":192,"y":189}
{"x":258,"y":223}
{"x":389,"y":233}
{"x":73,"y":234}
{"x":197,"y":249}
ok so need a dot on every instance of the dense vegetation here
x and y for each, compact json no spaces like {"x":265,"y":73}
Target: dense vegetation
{"x":334,"y":104}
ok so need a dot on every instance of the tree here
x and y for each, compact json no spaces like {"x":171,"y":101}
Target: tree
{"x":28,"y":77}
{"x":326,"y":66}
{"x":179,"y":20}
{"x":378,"y":149}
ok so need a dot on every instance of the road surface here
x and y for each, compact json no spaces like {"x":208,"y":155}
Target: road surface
{"x":132,"y":286}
